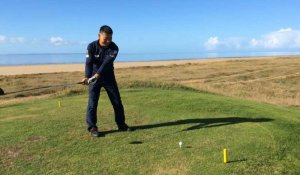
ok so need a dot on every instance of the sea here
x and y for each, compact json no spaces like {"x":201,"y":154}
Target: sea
{"x":70,"y":58}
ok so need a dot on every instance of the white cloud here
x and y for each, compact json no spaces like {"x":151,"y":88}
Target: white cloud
{"x":233,"y":42}
{"x":283,"y":38}
{"x":11,"y":40}
{"x":56,"y":41}
{"x":212,"y":43}
{"x":16,"y":40}
{"x":254,"y":42}
{"x":2,"y":39}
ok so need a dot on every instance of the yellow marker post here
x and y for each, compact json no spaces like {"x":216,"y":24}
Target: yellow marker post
{"x":225,"y":155}
{"x":59,"y":104}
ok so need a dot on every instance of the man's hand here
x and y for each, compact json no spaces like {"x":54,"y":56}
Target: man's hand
{"x":97,"y":76}
{"x":94,"y":79}
{"x":87,"y":81}
{"x":84,"y":81}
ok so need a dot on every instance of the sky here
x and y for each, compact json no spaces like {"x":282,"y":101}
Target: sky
{"x":152,"y":26}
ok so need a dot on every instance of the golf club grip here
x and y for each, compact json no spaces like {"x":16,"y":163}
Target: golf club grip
{"x":80,"y":82}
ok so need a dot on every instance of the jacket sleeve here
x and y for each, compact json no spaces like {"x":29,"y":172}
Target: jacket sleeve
{"x":108,"y":60}
{"x":88,"y":63}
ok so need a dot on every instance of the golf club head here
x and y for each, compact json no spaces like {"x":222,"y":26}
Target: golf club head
{"x":2,"y":92}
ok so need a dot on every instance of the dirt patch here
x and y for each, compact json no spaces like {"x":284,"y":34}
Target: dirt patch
{"x":10,"y":118}
{"x":23,"y":99}
{"x":16,"y":152}
{"x":12,"y":153}
{"x":178,"y":170}
{"x":138,"y":122}
{"x":36,"y":139}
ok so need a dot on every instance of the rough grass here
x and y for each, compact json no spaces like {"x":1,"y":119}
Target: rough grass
{"x":273,"y":80}
{"x":37,"y":137}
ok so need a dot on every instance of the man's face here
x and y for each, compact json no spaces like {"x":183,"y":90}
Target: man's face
{"x":104,"y":39}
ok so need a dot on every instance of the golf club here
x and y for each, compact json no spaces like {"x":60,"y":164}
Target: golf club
{"x":2,"y":93}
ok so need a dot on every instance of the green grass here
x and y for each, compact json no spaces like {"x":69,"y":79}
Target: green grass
{"x":37,"y":137}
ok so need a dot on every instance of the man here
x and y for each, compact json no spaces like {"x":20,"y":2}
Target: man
{"x":99,"y":72}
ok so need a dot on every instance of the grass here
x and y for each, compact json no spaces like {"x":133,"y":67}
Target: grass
{"x":37,"y":137}
{"x":274,"y":80}
{"x":270,"y":80}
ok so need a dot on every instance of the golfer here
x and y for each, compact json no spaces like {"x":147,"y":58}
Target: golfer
{"x":99,"y":72}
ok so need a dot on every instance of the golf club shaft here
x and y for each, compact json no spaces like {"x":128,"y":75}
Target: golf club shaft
{"x":44,"y":87}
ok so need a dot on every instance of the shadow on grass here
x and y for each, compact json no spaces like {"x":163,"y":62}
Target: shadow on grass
{"x":199,"y":123}
{"x":204,"y":122}
{"x":236,"y":161}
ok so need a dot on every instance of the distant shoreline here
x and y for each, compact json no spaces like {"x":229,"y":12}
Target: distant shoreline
{"x":52,"y":68}
{"x":79,"y":58}
{"x":159,"y":60}
{"x":179,"y":59}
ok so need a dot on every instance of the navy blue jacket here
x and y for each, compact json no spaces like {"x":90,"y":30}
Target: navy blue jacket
{"x":100,"y":59}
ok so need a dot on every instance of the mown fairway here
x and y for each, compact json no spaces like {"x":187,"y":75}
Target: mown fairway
{"x":37,"y":137}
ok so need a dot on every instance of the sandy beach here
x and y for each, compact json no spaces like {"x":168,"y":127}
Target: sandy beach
{"x":51,"y":68}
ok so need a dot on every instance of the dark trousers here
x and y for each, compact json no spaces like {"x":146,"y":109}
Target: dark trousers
{"x":110,"y":85}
